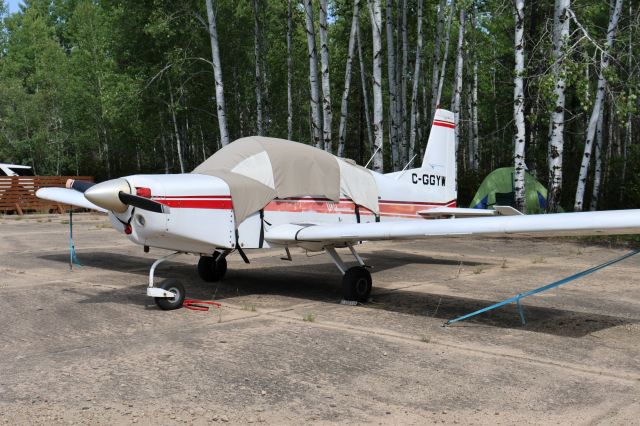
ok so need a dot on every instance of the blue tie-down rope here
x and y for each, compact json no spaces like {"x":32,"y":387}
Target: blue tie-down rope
{"x":516,"y":298}
{"x":73,"y":258}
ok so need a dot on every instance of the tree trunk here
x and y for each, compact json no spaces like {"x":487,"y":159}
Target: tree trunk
{"x":402,"y":104}
{"x":443,"y":69}
{"x":556,"y":141}
{"x":327,"y":116}
{"x":378,"y":114}
{"x":393,"y":88}
{"x":365,"y":89}
{"x":597,"y":106}
{"x":518,"y":110}
{"x":217,"y":75}
{"x":475,"y":146}
{"x":436,"y":56}
{"x":257,"y":53}
{"x":458,"y":77}
{"x":176,"y":132}
{"x":597,"y":174}
{"x":289,"y":73}
{"x":347,"y":79}
{"x":316,"y":120}
{"x":416,"y":80}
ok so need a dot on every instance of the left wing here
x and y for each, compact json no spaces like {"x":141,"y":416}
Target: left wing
{"x":67,"y":196}
{"x":612,"y":222}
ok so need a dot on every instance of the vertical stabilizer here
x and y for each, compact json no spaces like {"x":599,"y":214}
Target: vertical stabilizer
{"x":436,"y":177}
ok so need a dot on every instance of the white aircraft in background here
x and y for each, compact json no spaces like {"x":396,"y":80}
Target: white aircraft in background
{"x":262,"y":193}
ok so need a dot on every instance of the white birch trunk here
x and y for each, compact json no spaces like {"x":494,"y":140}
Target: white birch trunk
{"x":217,"y":75}
{"x":393,"y":88}
{"x":457,"y":94}
{"x":402,"y":105}
{"x":443,"y":68}
{"x":475,"y":146}
{"x":176,"y":132}
{"x":257,"y":51}
{"x":342,"y":131}
{"x":518,"y":110}
{"x":327,"y":115}
{"x":378,"y":114}
{"x":597,"y":105}
{"x":436,"y":56}
{"x":556,"y":141}
{"x":365,"y":89}
{"x":416,"y":80}
{"x":289,"y":73}
{"x":597,"y":173}
{"x":316,"y":120}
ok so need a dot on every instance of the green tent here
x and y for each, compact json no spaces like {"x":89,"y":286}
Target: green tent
{"x":497,"y":188}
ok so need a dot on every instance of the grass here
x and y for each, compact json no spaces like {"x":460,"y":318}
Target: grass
{"x":248,"y":307}
{"x":425,"y":339}
{"x":539,"y":259}
{"x":504,"y":264}
{"x":309,"y":318}
{"x":478,"y":270}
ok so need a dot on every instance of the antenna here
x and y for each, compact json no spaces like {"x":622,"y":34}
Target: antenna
{"x":405,"y":167}
{"x":374,"y":154}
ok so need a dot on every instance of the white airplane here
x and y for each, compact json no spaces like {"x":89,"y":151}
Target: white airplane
{"x":260,"y":192}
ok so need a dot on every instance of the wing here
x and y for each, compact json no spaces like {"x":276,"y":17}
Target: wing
{"x":611,"y":222}
{"x":67,"y":196}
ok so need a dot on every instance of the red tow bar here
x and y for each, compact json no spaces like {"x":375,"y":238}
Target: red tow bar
{"x":199,"y":305}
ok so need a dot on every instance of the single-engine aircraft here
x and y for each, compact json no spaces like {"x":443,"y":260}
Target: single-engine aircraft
{"x":260,"y":192}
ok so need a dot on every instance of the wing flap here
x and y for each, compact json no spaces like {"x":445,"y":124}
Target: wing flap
{"x":613,"y":222}
{"x":67,"y":196}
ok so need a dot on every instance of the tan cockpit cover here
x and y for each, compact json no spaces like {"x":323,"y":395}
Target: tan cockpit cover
{"x":259,"y":169}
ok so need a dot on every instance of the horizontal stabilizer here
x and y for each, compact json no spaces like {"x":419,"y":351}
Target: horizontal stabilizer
{"x":67,"y":196}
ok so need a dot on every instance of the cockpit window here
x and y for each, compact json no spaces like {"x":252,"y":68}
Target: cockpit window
{"x":23,"y":172}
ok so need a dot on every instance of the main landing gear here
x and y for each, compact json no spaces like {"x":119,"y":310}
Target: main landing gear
{"x":170,"y":293}
{"x":356,"y":281}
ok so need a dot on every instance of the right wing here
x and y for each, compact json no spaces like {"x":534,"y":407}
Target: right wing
{"x":612,"y":222}
{"x":67,"y":196}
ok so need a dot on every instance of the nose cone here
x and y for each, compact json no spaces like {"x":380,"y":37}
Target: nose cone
{"x":105,"y":194}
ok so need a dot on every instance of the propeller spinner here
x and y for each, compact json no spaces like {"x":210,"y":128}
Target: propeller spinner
{"x":115,"y":195}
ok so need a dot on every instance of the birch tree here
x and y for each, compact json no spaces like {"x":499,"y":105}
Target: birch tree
{"x":597,"y":174}
{"x":556,"y":140}
{"x":376,"y":29}
{"x":443,"y":68}
{"x":365,"y":88}
{"x":416,"y":80}
{"x":393,"y":87}
{"x":257,"y":51}
{"x":518,"y":109}
{"x":435,"y":60}
{"x":402,"y":104}
{"x":597,"y":106}
{"x":217,"y":75}
{"x":457,"y":93}
{"x":327,"y":116}
{"x":289,"y":72}
{"x":316,"y":122}
{"x":347,"y":79}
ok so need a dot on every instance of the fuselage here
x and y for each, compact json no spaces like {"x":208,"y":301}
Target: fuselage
{"x":201,"y":218}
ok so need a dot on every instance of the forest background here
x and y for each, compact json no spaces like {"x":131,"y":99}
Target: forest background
{"x":116,"y":87}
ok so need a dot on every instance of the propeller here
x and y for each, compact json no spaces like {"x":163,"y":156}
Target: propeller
{"x":115,"y":195}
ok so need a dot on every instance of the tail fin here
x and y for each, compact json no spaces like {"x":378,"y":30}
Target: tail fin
{"x":437,"y":174}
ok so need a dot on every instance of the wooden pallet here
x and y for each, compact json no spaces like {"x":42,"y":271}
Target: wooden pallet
{"x":18,"y":193}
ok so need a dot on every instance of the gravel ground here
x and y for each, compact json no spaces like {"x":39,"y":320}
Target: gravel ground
{"x":89,"y":347}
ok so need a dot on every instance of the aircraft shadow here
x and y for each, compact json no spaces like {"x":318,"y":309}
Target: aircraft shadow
{"x":320,"y":282}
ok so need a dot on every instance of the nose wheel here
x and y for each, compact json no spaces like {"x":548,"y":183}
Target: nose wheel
{"x":170,"y":303}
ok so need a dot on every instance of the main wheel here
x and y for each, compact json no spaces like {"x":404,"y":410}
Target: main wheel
{"x":170,"y":303}
{"x":356,"y":284}
{"x":211,"y":269}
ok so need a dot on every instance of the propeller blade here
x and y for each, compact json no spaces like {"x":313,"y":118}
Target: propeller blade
{"x":79,"y":185}
{"x":143,"y":203}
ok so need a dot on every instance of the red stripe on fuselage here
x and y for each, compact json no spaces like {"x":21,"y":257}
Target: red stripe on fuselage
{"x":197,"y":203}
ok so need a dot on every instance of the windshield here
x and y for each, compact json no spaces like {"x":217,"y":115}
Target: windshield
{"x":22,"y":172}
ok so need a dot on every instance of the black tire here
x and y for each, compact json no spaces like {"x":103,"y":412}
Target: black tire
{"x":211,"y":269}
{"x":168,"y":304}
{"x":356,"y":284}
